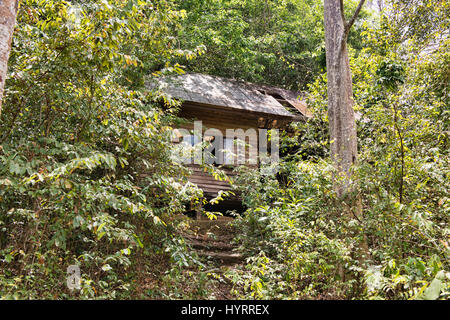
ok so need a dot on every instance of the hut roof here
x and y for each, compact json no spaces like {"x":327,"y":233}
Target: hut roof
{"x":212,"y":90}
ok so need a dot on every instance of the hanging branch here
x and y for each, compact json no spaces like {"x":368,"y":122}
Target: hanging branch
{"x":350,"y":23}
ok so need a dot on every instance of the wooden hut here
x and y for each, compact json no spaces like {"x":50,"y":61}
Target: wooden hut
{"x":229,"y":104}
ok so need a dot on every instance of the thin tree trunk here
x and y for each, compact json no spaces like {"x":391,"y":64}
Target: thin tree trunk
{"x":341,"y":116}
{"x":8,"y":13}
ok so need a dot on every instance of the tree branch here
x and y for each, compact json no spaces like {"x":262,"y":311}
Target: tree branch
{"x":350,"y":23}
{"x":341,"y":7}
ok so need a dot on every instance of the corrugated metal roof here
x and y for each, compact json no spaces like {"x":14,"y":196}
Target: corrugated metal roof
{"x":218,"y":91}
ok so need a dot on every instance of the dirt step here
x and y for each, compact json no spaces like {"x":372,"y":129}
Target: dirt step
{"x":220,"y":221}
{"x":207,"y":222}
{"x":206,"y":226}
{"x":209,"y":245}
{"x":225,"y":258}
{"x":214,"y":238}
{"x":218,"y":228}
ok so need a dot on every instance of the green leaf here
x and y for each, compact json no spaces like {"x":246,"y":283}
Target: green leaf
{"x":139,"y":242}
{"x":8,"y":258}
{"x":100,"y":235}
{"x":434,"y":290}
{"x":106,"y":267}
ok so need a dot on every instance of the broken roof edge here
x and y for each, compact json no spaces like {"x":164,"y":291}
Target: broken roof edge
{"x":292,"y":97}
{"x":216,"y":107}
{"x":232,"y":93}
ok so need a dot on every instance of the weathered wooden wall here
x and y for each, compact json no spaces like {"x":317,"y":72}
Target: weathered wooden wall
{"x":221,"y":119}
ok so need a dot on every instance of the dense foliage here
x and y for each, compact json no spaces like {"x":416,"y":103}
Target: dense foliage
{"x":275,"y":42}
{"x":303,"y":237}
{"x":85,"y":170}
{"x":87,"y":178}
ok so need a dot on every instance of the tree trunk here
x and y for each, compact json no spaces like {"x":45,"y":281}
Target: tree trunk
{"x":341,"y":116}
{"x":8,"y":12}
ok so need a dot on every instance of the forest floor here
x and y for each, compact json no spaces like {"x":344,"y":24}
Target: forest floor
{"x":213,"y":241}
